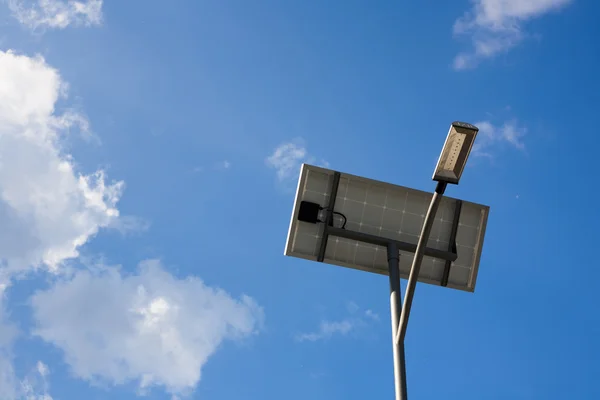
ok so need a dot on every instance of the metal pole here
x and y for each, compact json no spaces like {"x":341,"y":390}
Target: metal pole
{"x":399,"y":361}
{"x":418,"y":259}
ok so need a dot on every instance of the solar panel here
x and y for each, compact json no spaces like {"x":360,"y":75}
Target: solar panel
{"x":381,"y":210}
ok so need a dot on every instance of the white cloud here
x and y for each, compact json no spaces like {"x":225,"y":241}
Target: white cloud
{"x":327,"y":328}
{"x":47,"y":209}
{"x":57,"y":14}
{"x":490,"y":135}
{"x":495,"y":26}
{"x":287,"y":158}
{"x":151,"y":327}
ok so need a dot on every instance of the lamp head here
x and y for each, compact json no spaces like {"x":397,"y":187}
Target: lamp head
{"x":455,"y":153}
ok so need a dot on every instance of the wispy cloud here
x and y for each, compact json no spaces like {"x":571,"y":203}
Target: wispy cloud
{"x":495,"y":26}
{"x":224,"y":164}
{"x":328,"y":328}
{"x":372,"y":315}
{"x":219,"y":166}
{"x":129,"y":224}
{"x":509,"y":133}
{"x":287,"y":158}
{"x":56,"y":14}
{"x":35,"y":385}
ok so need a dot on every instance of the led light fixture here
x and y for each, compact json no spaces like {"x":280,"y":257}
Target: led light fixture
{"x":455,"y":153}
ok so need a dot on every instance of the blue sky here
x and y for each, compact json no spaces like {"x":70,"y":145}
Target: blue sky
{"x":149,"y":153}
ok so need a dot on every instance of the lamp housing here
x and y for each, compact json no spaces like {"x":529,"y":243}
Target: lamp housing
{"x":455,"y":152}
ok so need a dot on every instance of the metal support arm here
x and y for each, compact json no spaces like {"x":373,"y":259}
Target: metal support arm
{"x":418,"y":259}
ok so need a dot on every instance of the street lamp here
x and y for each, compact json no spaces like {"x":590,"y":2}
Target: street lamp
{"x":449,"y":169}
{"x":368,"y":225}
